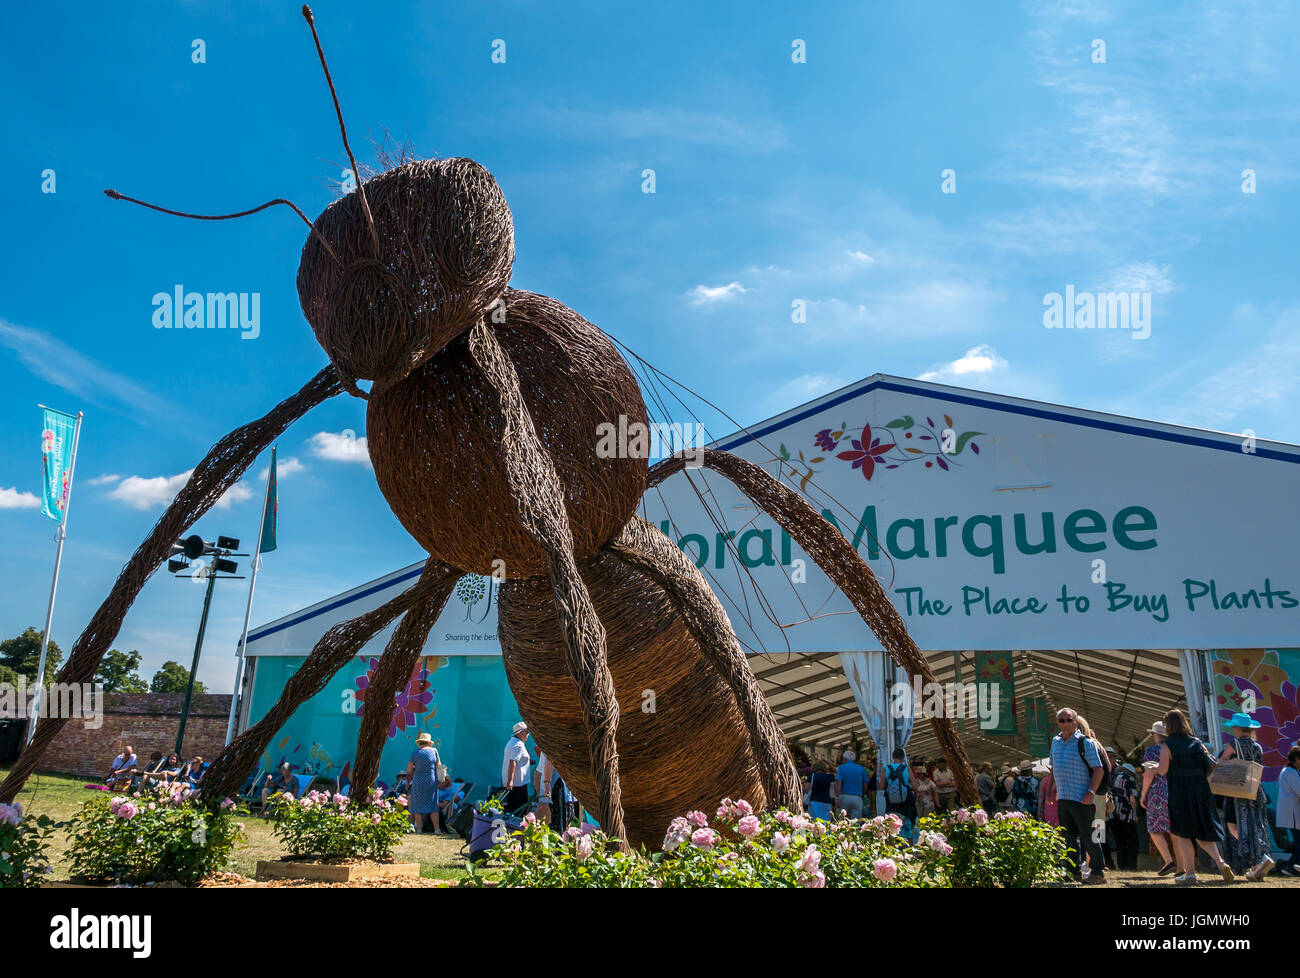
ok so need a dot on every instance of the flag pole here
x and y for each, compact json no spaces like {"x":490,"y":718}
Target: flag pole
{"x":54,"y":584}
{"x":248,"y":608}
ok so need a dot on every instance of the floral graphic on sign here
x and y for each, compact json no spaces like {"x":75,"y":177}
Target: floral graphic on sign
{"x":1257,"y":682}
{"x":870,"y":450}
{"x":411,"y":701}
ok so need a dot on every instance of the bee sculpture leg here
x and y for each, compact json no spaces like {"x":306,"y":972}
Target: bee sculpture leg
{"x":643,"y":546}
{"x":331,"y":653}
{"x":536,"y":490}
{"x":220,"y":469}
{"x":847,"y":570}
{"x":390,"y":676}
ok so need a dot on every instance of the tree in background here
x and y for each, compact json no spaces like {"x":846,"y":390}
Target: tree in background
{"x":174,"y":678}
{"x":22,"y":653}
{"x":117,"y":673}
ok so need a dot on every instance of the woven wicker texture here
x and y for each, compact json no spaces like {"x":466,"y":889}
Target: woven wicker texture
{"x":220,"y":469}
{"x":536,"y":495}
{"x":446,"y":250}
{"x":690,"y":752}
{"x":644,"y":547}
{"x":828,"y":549}
{"x":226,"y":775}
{"x":440,"y":448}
{"x":389,"y":678}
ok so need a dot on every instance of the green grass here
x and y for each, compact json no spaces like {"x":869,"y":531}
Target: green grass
{"x":60,"y":796}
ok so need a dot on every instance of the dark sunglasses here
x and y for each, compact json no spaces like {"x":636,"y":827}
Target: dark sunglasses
{"x":1066,"y":721}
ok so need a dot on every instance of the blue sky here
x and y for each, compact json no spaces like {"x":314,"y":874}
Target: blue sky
{"x":775,"y":181}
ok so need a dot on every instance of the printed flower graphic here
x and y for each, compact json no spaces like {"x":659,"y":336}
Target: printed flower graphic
{"x":411,"y":700}
{"x":899,"y":442}
{"x":1280,"y":719}
{"x":865,"y":452}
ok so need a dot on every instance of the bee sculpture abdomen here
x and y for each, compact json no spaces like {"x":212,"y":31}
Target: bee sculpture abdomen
{"x":436,"y":441}
{"x":682,"y":742}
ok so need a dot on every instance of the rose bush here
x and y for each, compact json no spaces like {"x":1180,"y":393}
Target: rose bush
{"x":165,"y":833}
{"x":328,"y":826}
{"x":1009,"y":849}
{"x":737,"y":847}
{"x":23,"y":844}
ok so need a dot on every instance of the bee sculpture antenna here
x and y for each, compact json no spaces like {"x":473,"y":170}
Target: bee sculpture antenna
{"x":343,"y":129}
{"x":115,"y":195}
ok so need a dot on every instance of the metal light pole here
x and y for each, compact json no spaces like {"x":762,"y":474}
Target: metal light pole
{"x":194,"y":547}
{"x":194,"y":666}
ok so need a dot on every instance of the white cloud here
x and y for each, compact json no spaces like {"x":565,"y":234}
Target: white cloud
{"x":706,"y":294}
{"x":13,"y":499}
{"x":977,"y":360}
{"x":283,"y":467}
{"x":1143,"y":277}
{"x":862,"y":257}
{"x":341,"y":447}
{"x":801,"y":389}
{"x":57,"y":363}
{"x":152,"y":492}
{"x":1262,"y":378}
{"x":103,"y":480}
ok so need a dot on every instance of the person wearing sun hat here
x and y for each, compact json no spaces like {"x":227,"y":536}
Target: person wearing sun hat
{"x":1248,"y":840}
{"x":514,"y":770}
{"x":422,"y":794}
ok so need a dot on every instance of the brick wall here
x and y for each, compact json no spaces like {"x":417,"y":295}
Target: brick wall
{"x":147,"y":721}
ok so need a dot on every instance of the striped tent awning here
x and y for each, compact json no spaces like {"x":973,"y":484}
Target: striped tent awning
{"x":1119,"y":691}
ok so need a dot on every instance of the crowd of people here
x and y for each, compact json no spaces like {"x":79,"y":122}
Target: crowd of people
{"x":1098,"y":799}
{"x":1093,"y":795}
{"x":125,"y":772}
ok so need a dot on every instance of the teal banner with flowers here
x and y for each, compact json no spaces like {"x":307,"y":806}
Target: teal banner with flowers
{"x":56,"y":462}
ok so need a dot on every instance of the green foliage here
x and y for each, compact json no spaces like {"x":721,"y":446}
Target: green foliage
{"x":23,"y":844}
{"x":154,"y":836}
{"x":490,"y":807}
{"x":1010,"y":849}
{"x":23,"y":652}
{"x":117,"y":673}
{"x":332,"y":827}
{"x":174,"y":678}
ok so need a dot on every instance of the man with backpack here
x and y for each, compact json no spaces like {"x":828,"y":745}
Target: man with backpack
{"x":1078,"y":769}
{"x":896,"y":782}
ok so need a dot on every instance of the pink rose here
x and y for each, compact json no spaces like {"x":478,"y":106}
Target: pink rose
{"x":744,"y":807}
{"x":703,"y":838}
{"x":963,"y":815}
{"x":885,"y":870}
{"x":584,"y":848}
{"x":893,"y":824}
{"x":780,"y":842}
{"x":809,"y":861}
{"x":814,"y":881}
{"x":748,"y":826}
{"x":981,"y":817}
{"x":698,"y":819}
{"x":126,"y":811}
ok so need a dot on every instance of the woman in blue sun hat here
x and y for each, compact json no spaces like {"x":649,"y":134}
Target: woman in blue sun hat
{"x":1248,"y":841}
